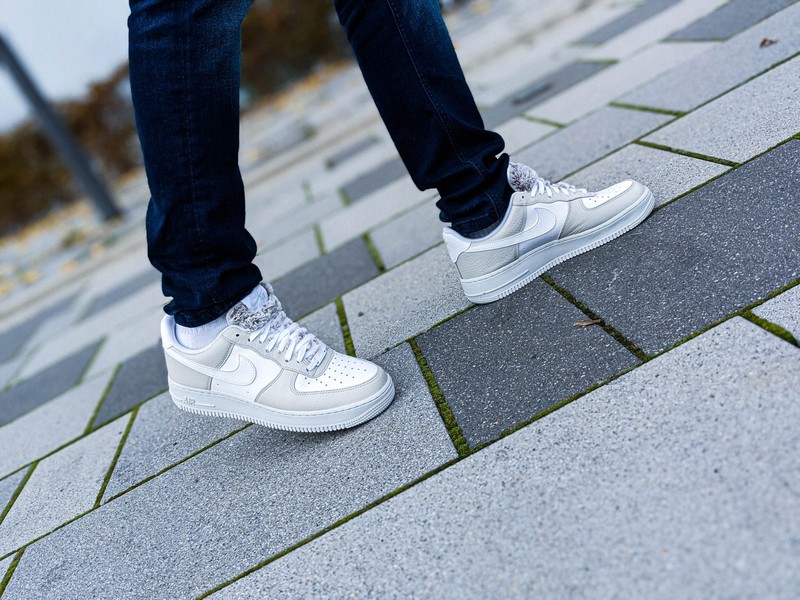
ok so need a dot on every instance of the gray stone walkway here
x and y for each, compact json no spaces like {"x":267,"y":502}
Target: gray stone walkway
{"x":652,"y":455}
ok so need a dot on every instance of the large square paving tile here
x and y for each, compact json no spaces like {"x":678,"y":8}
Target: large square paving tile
{"x":699,"y":259}
{"x":742,"y":123}
{"x":325,"y":278}
{"x":501,"y":364}
{"x":404,"y":302}
{"x":44,"y":386}
{"x":668,"y":175}
{"x":139,"y":378}
{"x":783,"y":310}
{"x":162,"y":435}
{"x":49,"y":426}
{"x":713,"y":73}
{"x":730,"y":19}
{"x":585,"y":141}
{"x":671,"y":482}
{"x":245,"y":499}
{"x":616,"y":80}
{"x":62,"y":486}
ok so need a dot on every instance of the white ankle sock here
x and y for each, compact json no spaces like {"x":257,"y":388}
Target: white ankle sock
{"x":195,"y":338}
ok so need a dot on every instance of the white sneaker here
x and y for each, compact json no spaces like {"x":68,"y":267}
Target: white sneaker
{"x":266,"y":369}
{"x":546,"y":223}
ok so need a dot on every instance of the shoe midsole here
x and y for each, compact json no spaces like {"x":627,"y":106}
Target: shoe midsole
{"x":213,"y":403}
{"x":494,"y":283}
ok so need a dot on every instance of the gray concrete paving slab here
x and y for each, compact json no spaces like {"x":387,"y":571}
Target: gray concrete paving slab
{"x":161,"y":436}
{"x":699,"y":259}
{"x":277,"y":261}
{"x":618,"y":79}
{"x":501,"y":364}
{"x":540,"y":91}
{"x":403,"y":302}
{"x":730,"y":19}
{"x":122,"y":291}
{"x":370,"y":182}
{"x":668,"y":175}
{"x":669,"y":482}
{"x":587,"y":140}
{"x":8,"y":487}
{"x":409,"y":234}
{"x":127,"y":342}
{"x":139,"y":378}
{"x":325,"y":278}
{"x":730,"y":127}
{"x":324,"y":323}
{"x":49,"y":426}
{"x":639,"y":14}
{"x":350,"y":152}
{"x":231,"y":506}
{"x":713,"y":73}
{"x":783,"y":310}
{"x":62,"y":486}
{"x":42,"y":387}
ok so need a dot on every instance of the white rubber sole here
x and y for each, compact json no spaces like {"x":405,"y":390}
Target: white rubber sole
{"x":204,"y":402}
{"x":502,"y":282}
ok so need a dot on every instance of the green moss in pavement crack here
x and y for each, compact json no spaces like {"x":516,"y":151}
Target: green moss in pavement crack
{"x":713,"y":159}
{"x":318,"y":237}
{"x":12,"y":567}
{"x":628,"y":344}
{"x":346,"y":201}
{"x":92,"y":358}
{"x":533,"y":119}
{"x":773,"y":328}
{"x":450,"y":422}
{"x":373,"y":251}
{"x":111,"y":381}
{"x":17,"y":492}
{"x":114,"y":460}
{"x":648,"y":109}
{"x":306,"y":185}
{"x":349,"y":346}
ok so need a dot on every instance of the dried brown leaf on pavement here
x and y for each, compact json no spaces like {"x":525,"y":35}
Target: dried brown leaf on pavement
{"x":589,"y":322}
{"x":767,"y":42}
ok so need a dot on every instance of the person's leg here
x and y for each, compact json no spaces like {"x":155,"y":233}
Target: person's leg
{"x":412,"y":71}
{"x":184,"y":72}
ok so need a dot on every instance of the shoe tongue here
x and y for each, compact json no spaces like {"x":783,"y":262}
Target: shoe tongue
{"x":521,"y":178}
{"x":254,"y":310}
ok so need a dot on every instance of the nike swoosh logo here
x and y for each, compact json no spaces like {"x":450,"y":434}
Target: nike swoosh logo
{"x":545,"y":222}
{"x":244,"y":373}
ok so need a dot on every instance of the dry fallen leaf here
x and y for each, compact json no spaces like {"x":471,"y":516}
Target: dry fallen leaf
{"x":589,"y":322}
{"x":767,"y":42}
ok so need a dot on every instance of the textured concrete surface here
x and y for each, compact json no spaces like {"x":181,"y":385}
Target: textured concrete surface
{"x":729,"y":128}
{"x":634,"y":17}
{"x":139,"y":379}
{"x":730,"y":19}
{"x":49,"y":426}
{"x":409,"y":234}
{"x":699,"y":259}
{"x":52,"y":382}
{"x":371,"y":182}
{"x":783,"y":310}
{"x":403,"y":302}
{"x":589,"y":139}
{"x":277,"y":261}
{"x":324,"y":323}
{"x":244,"y":499}
{"x":534,"y":358}
{"x":125,"y":343}
{"x":520,"y":132}
{"x":322,"y":280}
{"x":161,"y":436}
{"x":611,"y":83}
{"x":8,"y":486}
{"x":62,"y":486}
{"x":667,"y":175}
{"x":122,"y":291}
{"x":663,"y":484}
{"x":713,"y":73}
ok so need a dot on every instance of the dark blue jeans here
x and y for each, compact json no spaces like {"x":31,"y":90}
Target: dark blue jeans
{"x":185,"y":71}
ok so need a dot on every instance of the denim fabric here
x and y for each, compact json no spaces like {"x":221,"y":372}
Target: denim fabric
{"x":185,"y":71}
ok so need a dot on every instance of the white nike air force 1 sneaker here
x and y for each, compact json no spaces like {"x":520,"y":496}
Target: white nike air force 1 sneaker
{"x":266,"y":369}
{"x":546,"y":223}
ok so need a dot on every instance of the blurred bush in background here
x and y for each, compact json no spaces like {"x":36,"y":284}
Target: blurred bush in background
{"x":282,"y":41}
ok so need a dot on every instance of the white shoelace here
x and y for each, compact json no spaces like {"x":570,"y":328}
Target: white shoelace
{"x":524,"y":179}
{"x":290,"y":338}
{"x":543,"y":186}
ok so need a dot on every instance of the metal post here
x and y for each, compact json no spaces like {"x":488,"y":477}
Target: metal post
{"x":60,"y":137}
